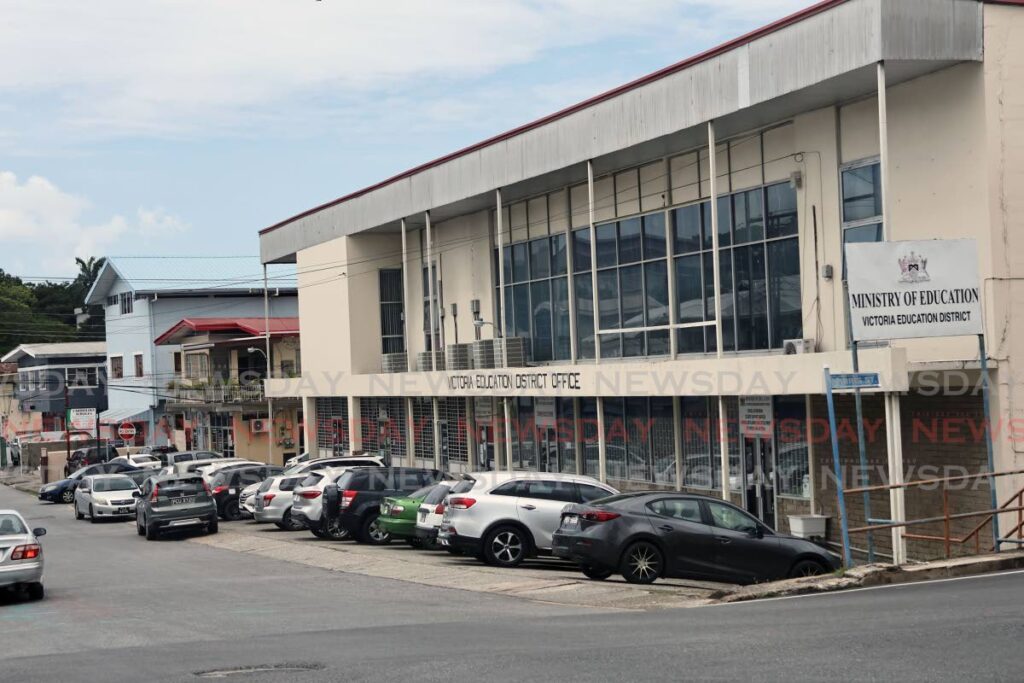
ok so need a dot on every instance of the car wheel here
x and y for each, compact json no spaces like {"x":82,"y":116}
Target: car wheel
{"x":505,"y":547}
{"x":67,"y":496}
{"x":78,"y":514}
{"x":288,"y":523}
{"x":372,"y":532}
{"x":319,"y":533}
{"x":595,"y":573}
{"x":642,"y":563}
{"x":92,"y":514}
{"x":139,"y":528}
{"x":35,"y":591}
{"x":212,"y":526}
{"x":152,"y":533}
{"x":415,"y":543}
{"x":231,"y":511}
{"x":333,"y":532}
{"x":429,"y":544}
{"x":807,"y":568}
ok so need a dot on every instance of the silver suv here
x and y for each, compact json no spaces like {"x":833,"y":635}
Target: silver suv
{"x":273,"y":501}
{"x":505,"y":517}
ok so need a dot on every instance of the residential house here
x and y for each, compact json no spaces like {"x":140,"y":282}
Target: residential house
{"x":146,"y":295}
{"x":217,"y":399}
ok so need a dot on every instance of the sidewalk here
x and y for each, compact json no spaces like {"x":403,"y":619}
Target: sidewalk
{"x":29,"y":482}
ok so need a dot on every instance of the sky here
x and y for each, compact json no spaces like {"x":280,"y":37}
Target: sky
{"x":183,"y":127}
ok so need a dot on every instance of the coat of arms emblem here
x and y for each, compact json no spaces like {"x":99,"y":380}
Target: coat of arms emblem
{"x":914,"y":268}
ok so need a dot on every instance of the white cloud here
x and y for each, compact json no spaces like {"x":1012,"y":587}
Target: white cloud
{"x":175,"y":66}
{"x":45,"y":228}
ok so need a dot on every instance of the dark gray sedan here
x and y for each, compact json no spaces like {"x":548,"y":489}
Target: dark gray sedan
{"x":651,"y":535}
{"x":175,"y":502}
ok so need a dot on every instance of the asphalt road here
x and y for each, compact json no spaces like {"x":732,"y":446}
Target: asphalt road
{"x":119,"y":608}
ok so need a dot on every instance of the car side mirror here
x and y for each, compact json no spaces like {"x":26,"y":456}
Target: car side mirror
{"x":136,"y":494}
{"x":39,"y":532}
{"x":756,"y":532}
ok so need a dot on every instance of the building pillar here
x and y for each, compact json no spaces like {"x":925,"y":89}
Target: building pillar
{"x":894,"y":450}
{"x":602,"y":453}
{"x":436,"y":407}
{"x":355,"y":433}
{"x":723,"y":431}
{"x":410,"y":433}
{"x":677,"y":437}
{"x":431,"y":293}
{"x":593,"y":278}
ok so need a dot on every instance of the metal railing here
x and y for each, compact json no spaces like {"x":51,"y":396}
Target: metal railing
{"x":947,"y":538}
{"x":220,"y":393}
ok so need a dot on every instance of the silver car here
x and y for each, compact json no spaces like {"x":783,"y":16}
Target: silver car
{"x":247,"y":499}
{"x":21,"y":555}
{"x":105,"y":496}
{"x":505,"y":517}
{"x":274,"y":501}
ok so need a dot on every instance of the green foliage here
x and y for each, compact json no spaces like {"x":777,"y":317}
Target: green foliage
{"x":45,"y":312}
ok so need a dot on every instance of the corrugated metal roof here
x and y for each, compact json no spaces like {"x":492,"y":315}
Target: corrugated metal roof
{"x":62,"y":349}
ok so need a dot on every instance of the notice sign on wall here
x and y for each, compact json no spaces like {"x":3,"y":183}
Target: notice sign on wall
{"x":756,"y":416}
{"x":83,"y":419}
{"x":901,"y":290}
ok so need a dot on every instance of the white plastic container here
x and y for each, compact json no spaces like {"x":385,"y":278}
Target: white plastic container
{"x":807,"y":526}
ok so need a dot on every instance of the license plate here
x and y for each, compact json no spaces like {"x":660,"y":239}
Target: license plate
{"x":423,"y":516}
{"x":183,"y":501}
{"x":124,"y":511}
{"x":570,"y":521}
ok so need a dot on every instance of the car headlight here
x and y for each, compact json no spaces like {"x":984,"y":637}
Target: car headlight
{"x":49,"y":487}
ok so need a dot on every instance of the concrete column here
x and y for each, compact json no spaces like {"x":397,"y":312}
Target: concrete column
{"x":410,"y":362}
{"x":677,"y":436}
{"x":355,"y":434}
{"x":309,"y":419}
{"x":593,"y":271}
{"x":723,"y":431}
{"x":897,"y":504}
{"x":883,"y":149}
{"x":602,"y":453}
{"x":432,"y":292}
{"x":410,"y":433}
{"x":577,"y":433}
{"x":499,"y":324}
{"x":435,"y":404}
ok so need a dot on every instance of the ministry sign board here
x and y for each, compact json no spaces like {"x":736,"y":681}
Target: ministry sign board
{"x":902,"y":290}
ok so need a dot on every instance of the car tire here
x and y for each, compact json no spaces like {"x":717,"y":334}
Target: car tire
{"x":35,"y":591}
{"x":212,"y":526}
{"x":287,"y":523}
{"x":78,"y":514}
{"x":67,"y":496}
{"x":139,"y":528}
{"x":92,"y":515}
{"x":152,"y":533}
{"x":505,"y":546}
{"x":429,"y":544}
{"x":595,"y":573}
{"x":415,"y":543}
{"x":642,"y":563}
{"x":232,"y":513}
{"x":807,"y":568}
{"x":333,"y":533}
{"x":371,"y":532}
{"x":319,"y":533}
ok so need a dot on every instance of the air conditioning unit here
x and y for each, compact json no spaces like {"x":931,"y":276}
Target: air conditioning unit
{"x":795,"y":346}
{"x":259,"y":426}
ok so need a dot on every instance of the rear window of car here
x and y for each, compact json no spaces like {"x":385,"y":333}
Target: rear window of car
{"x":464,"y":486}
{"x":312,"y":479}
{"x":11,"y":524}
{"x":182,"y":487}
{"x":290,"y":483}
{"x":437,"y":494}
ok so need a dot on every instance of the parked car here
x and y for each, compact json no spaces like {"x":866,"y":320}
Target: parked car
{"x":89,"y":456}
{"x":398,"y":514}
{"x":647,"y":536}
{"x":173,"y":502}
{"x":430,"y":513}
{"x":274,"y":501}
{"x":63,"y":491}
{"x":21,"y":568}
{"x":307,"y":502}
{"x":227,"y":484}
{"x":344,"y":461}
{"x":173,"y":457}
{"x":298,"y":459}
{"x":105,"y":495}
{"x":192,"y":466}
{"x":353,"y":503}
{"x":247,"y":500}
{"x":207,"y":469}
{"x":141,"y":460}
{"x":504,"y":517}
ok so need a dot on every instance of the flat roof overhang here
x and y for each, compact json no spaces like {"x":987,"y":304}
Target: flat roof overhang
{"x":823,"y":55}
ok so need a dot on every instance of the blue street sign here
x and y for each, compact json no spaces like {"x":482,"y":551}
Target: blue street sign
{"x":856,"y":380}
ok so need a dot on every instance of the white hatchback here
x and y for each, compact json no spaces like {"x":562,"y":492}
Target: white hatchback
{"x":104,"y":496}
{"x":21,"y":555}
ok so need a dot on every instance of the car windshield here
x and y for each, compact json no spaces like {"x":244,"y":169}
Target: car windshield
{"x":11,"y":524}
{"x":118,"y":484}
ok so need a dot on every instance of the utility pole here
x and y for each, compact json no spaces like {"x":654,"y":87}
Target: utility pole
{"x":67,"y":420}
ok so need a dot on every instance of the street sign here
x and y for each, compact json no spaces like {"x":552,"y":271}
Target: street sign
{"x":544,"y":413}
{"x":756,"y":416}
{"x":82,"y":419}
{"x":126,"y":430}
{"x":856,"y":380}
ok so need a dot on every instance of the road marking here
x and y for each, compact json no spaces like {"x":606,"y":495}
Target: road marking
{"x":869,"y":588}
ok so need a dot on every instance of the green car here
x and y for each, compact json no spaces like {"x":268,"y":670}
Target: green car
{"x":398,"y":515}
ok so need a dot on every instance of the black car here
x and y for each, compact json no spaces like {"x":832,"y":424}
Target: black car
{"x":650,"y":535}
{"x":353,"y":503}
{"x":227,"y":485}
{"x":63,"y":491}
{"x":89,"y":456}
{"x":174,"y":502}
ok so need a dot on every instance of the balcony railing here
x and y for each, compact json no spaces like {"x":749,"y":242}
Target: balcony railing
{"x":220,"y":393}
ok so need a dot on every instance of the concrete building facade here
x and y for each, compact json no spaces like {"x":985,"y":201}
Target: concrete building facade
{"x":589,"y":244}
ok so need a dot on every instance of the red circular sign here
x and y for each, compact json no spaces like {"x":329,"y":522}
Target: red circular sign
{"x":126,"y":430}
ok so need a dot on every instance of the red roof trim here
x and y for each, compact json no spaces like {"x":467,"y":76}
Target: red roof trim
{"x":251,"y":326}
{"x":814,"y":9}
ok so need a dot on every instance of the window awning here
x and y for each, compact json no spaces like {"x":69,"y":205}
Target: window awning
{"x":110,"y":417}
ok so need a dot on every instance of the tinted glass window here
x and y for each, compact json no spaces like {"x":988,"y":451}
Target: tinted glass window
{"x":728,"y":517}
{"x":590,"y":493}
{"x":421,"y":494}
{"x":564,"y":491}
{"x":463,"y":486}
{"x":290,"y":483}
{"x":436,"y":494}
{"x":11,"y":524}
{"x":685,"y":509}
{"x":181,"y":487}
{"x":312,"y":479}
{"x":509,"y":488}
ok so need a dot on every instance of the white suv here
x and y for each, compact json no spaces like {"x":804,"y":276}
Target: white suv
{"x":505,"y":517}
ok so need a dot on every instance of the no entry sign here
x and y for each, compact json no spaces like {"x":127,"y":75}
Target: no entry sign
{"x":126,"y":430}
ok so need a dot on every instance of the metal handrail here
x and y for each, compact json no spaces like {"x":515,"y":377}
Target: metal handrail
{"x":946,"y":518}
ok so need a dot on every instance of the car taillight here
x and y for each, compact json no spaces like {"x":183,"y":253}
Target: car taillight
{"x":461,"y":503}
{"x":347,"y":498}
{"x":26,"y":552}
{"x":267,"y":497}
{"x":309,"y":495}
{"x":397,"y":510}
{"x":219,"y":489}
{"x":206,"y":488}
{"x":600,"y":516}
{"x":439,"y":510}
{"x":156,"y":493}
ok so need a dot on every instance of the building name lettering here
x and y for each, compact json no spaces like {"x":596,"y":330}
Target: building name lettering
{"x":565,"y":381}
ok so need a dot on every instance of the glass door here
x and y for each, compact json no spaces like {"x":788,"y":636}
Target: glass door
{"x":759,"y":474}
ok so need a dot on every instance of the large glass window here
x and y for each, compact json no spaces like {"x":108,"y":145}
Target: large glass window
{"x":757,"y":235}
{"x":639,"y":439}
{"x":391,"y":331}
{"x":862,"y":205}
{"x":791,"y":459}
